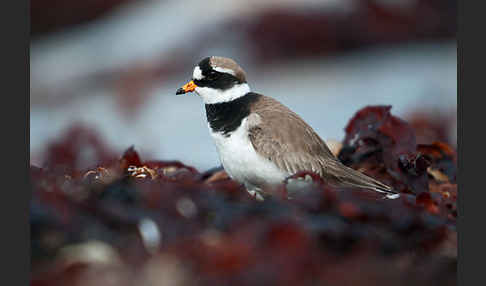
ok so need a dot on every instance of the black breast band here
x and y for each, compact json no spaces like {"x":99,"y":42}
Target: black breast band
{"x":226,"y":117}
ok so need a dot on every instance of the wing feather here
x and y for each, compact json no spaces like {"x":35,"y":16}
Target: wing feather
{"x":294,"y":146}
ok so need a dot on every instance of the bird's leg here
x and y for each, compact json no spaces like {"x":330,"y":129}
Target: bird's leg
{"x":255,"y":193}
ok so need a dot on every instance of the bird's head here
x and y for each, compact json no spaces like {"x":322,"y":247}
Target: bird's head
{"x":217,"y":80}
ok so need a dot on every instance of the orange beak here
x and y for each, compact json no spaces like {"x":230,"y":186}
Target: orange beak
{"x":188,"y":87}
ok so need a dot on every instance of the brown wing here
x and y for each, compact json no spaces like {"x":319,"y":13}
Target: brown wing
{"x":282,"y":137}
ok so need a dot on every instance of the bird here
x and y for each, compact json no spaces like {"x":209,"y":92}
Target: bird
{"x":260,"y":141}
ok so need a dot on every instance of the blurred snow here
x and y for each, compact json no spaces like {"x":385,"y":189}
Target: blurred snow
{"x":326,"y":92}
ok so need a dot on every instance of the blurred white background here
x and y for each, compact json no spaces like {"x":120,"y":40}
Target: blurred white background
{"x":118,"y":73}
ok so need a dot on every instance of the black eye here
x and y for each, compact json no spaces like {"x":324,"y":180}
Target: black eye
{"x":212,"y":75}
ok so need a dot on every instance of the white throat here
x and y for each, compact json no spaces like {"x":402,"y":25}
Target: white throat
{"x":212,"y":96}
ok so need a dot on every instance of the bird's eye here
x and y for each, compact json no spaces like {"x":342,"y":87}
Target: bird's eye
{"x":212,"y":75}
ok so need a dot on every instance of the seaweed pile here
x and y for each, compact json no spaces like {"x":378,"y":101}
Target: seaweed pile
{"x":99,"y":219}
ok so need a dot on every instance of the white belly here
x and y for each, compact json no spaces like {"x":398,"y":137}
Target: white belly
{"x":242,"y":162}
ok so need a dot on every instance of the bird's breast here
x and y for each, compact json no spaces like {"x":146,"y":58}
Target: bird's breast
{"x":241,"y":161}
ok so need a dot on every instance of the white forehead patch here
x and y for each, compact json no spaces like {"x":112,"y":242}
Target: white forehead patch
{"x":224,"y":70}
{"x":197,"y":74}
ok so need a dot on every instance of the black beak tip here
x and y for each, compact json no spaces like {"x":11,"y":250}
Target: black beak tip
{"x":180,"y":91}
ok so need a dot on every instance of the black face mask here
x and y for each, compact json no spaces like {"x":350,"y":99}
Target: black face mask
{"x":215,"y":79}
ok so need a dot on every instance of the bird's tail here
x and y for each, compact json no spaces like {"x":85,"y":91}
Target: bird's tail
{"x":346,"y":176}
